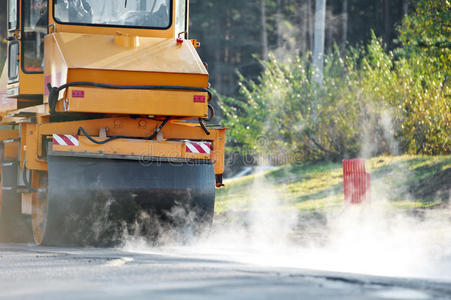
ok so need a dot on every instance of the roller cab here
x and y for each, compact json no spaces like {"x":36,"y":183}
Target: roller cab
{"x":104,"y":123}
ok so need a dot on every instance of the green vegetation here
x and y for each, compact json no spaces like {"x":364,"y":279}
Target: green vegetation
{"x":406,"y":181}
{"x":426,"y":35}
{"x":372,"y":101}
{"x":234,"y":34}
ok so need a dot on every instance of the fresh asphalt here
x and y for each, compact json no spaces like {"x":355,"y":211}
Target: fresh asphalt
{"x":32,"y":272}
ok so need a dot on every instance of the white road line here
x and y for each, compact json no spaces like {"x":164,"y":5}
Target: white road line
{"x":118,"y":262}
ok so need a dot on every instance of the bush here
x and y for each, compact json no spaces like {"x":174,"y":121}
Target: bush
{"x":370,"y":102}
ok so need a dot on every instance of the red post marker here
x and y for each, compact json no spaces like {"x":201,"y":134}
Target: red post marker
{"x":356,"y":181}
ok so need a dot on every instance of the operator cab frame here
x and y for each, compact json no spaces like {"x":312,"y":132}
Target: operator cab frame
{"x":138,"y":18}
{"x":30,"y":20}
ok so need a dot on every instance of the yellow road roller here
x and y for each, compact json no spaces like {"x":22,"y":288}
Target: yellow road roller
{"x":104,"y":110}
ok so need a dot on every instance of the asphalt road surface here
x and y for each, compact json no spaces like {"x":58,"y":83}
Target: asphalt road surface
{"x":31,"y":272}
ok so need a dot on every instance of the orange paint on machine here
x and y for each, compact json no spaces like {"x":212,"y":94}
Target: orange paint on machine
{"x":112,"y":100}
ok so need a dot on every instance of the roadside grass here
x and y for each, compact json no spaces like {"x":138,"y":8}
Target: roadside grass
{"x":405,"y":181}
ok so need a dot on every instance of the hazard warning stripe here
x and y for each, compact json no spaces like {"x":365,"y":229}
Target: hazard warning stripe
{"x":198,"y":147}
{"x":65,"y":140}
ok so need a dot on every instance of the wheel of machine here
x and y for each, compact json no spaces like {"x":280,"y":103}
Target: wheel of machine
{"x":39,"y":217}
{"x":39,"y":207}
{"x":15,"y":227}
{"x":96,"y":202}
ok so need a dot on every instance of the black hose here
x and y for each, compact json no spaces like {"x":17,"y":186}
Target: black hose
{"x":54,"y":91}
{"x":158,"y":129}
{"x":211,"y":113}
{"x":201,"y":122}
{"x":81,"y":130}
{"x":151,"y":137}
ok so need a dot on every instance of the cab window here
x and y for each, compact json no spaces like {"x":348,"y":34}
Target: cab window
{"x":128,"y":13}
{"x":34,"y":28}
{"x":12,"y":15}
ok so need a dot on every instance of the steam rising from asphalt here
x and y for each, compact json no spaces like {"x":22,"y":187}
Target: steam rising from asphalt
{"x":374,"y":238}
{"x":370,"y":239}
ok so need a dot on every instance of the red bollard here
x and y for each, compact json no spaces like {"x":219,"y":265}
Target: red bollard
{"x":356,"y":181}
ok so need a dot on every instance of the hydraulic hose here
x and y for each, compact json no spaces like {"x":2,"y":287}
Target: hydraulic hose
{"x":205,"y":129}
{"x":54,"y":91}
{"x":81,"y":130}
{"x":158,"y":129}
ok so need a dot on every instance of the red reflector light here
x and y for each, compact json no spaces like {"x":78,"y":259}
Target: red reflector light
{"x":199,"y":99}
{"x":78,"y":94}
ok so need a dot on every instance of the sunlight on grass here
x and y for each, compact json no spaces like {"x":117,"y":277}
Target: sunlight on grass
{"x":309,"y":187}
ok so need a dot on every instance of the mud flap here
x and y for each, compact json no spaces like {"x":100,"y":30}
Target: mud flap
{"x":94,"y":201}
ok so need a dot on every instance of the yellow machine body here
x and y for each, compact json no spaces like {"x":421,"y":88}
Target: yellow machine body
{"x":123,"y":84}
{"x":73,"y":57}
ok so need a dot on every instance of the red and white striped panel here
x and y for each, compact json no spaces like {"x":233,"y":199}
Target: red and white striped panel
{"x":198,"y":147}
{"x":65,"y":140}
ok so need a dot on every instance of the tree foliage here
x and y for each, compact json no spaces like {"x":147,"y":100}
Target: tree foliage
{"x":427,"y":34}
{"x":426,"y":59}
{"x":231,"y":37}
{"x":371,"y":101}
